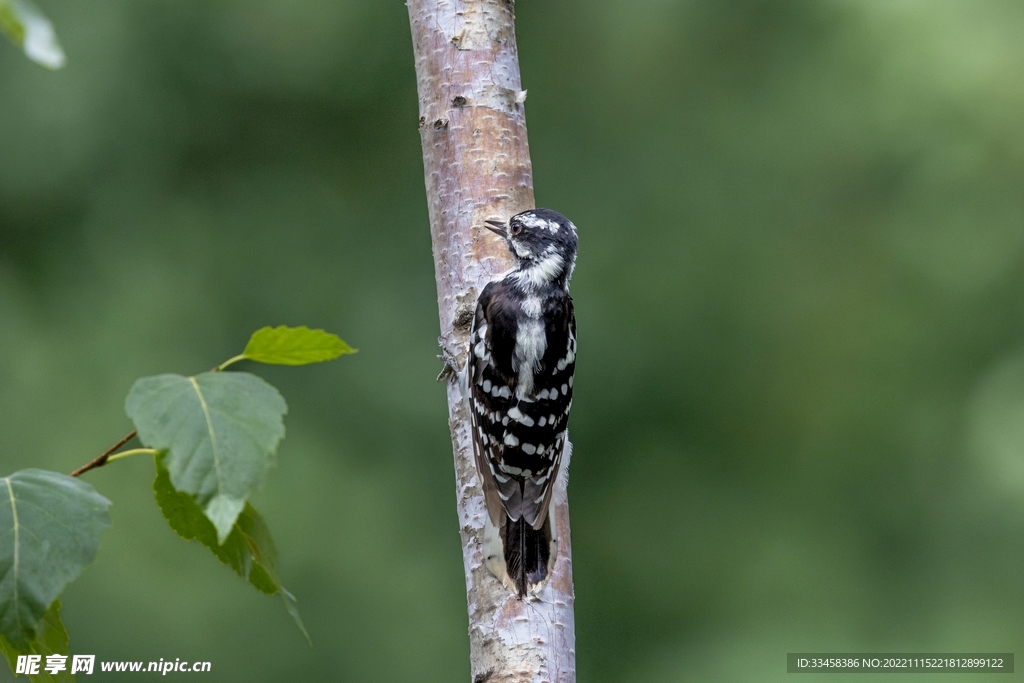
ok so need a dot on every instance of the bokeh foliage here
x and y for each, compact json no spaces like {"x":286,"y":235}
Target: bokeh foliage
{"x":27,"y":27}
{"x":799,"y":295}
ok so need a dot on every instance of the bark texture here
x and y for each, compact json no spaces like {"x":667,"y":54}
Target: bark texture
{"x":477,"y":166}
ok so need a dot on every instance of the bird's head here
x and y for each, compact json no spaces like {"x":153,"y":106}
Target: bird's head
{"x":543,"y":243}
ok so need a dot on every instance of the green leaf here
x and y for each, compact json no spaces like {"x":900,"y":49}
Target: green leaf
{"x":294,"y":346}
{"x":50,"y":527}
{"x":220,"y":431}
{"x":51,"y":639}
{"x":28,"y":28}
{"x":248,"y":550}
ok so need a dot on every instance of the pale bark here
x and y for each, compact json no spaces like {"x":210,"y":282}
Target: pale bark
{"x":477,"y":166}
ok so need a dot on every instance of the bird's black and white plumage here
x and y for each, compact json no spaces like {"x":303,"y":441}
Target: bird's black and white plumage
{"x":522,"y":357}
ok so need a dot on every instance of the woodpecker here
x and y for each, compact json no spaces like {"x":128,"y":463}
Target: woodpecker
{"x":522,"y":356}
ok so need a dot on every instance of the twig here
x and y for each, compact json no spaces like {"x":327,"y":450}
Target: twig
{"x":101,"y":460}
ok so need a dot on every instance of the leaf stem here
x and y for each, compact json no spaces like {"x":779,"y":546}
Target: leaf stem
{"x":101,"y":460}
{"x":134,"y":451}
{"x":231,"y":361}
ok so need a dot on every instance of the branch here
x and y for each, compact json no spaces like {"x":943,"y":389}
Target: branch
{"x":103,"y":457}
{"x":477,"y":167}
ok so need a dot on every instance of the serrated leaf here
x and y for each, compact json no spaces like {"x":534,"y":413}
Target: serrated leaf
{"x":50,"y":527}
{"x":28,"y":28}
{"x":51,"y":639}
{"x":294,"y":346}
{"x":248,"y":550}
{"x":220,"y":431}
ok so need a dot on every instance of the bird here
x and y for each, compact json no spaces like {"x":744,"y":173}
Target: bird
{"x":522,"y":359}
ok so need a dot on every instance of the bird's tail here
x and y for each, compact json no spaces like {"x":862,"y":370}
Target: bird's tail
{"x":527,"y":553}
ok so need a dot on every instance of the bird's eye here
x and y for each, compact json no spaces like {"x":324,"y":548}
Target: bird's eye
{"x":515,"y":228}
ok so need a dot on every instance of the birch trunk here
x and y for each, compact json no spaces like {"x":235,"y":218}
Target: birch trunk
{"x":477,"y":166}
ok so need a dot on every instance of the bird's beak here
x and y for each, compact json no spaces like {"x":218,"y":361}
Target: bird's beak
{"x":497,"y":227}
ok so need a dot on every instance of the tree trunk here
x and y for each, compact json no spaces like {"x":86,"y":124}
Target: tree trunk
{"x":477,"y":166}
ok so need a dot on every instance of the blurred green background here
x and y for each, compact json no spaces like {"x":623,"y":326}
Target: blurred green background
{"x":799,"y":420}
